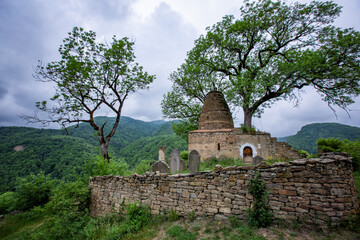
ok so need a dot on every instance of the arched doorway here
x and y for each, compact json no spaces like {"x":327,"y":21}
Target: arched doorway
{"x":248,"y":155}
{"x":247,"y":152}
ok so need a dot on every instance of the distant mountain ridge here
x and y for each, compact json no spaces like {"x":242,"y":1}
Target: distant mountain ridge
{"x":25,"y":150}
{"x":306,"y":138}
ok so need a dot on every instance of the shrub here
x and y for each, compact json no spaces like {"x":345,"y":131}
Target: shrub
{"x":69,"y":198}
{"x":100,"y":167}
{"x":337,"y":145}
{"x":184,"y":155}
{"x":33,"y":190}
{"x":353,"y":148}
{"x":245,"y":129}
{"x":259,"y":215}
{"x":330,"y":144}
{"x":137,"y":216}
{"x":143,"y":166}
{"x":8,"y":202}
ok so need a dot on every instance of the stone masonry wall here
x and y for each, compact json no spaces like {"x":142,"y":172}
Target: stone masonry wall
{"x":228,"y":142}
{"x":316,"y":191}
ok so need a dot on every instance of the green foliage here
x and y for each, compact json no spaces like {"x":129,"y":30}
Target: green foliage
{"x":69,"y":199}
{"x":172,"y":215}
{"x":8,"y":202}
{"x":329,"y":144}
{"x":33,"y":190}
{"x":183,"y":128}
{"x":16,"y":226}
{"x":274,"y":159}
{"x":259,"y":215}
{"x":234,"y":221}
{"x":246,"y":129}
{"x":148,"y":148}
{"x":177,"y":232}
{"x":184,"y":155}
{"x":267,"y":54}
{"x":90,"y":76}
{"x":137,"y":216}
{"x":61,"y":156}
{"x":192,"y":216}
{"x":209,"y":165}
{"x":143,"y":167}
{"x":306,"y":138}
{"x":100,"y":167}
{"x":337,"y":145}
{"x":44,"y":150}
{"x":353,"y":148}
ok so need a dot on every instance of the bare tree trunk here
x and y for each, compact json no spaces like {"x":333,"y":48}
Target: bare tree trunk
{"x":104,"y":146}
{"x":248,"y":114}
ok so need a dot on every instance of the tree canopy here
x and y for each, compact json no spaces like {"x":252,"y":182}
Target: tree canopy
{"x":270,"y":53}
{"x":89,"y":76}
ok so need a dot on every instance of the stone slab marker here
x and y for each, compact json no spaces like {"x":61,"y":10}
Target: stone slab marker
{"x":161,"y":166}
{"x":182,"y":166}
{"x":194,"y":161}
{"x":175,"y":161}
{"x":257,"y":159}
{"x":162,"y":153}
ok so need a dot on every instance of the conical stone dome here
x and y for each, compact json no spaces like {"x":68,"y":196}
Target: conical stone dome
{"x":215,"y":113}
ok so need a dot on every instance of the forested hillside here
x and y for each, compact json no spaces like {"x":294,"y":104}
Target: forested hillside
{"x":30,"y":150}
{"x":306,"y":138}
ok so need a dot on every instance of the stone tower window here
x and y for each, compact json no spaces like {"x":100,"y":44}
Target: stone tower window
{"x":218,"y":146}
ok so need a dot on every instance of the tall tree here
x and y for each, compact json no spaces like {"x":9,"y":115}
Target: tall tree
{"x":271,"y":53}
{"x":90,"y":76}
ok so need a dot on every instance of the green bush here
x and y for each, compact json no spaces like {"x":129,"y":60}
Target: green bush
{"x":249,"y":130}
{"x":259,"y":215}
{"x":100,"y":167}
{"x":33,"y":190}
{"x":337,"y":145}
{"x":143,"y":167}
{"x":69,"y":198}
{"x":184,"y":155}
{"x":137,"y":216}
{"x":330,"y":144}
{"x":67,"y":211}
{"x":8,"y":202}
{"x":353,"y":148}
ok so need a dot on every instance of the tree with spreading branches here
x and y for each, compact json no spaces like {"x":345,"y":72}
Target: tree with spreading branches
{"x":270,"y":53}
{"x":90,"y":76}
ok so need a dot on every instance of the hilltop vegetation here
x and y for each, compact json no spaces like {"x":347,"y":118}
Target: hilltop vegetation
{"x":59,"y":155}
{"x":306,"y":138}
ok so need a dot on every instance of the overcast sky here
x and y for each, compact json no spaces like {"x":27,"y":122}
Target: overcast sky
{"x":163,"y":31}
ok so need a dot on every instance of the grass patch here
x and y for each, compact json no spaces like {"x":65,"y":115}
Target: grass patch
{"x":209,"y":165}
{"x":179,"y":233}
{"x":19,"y":225}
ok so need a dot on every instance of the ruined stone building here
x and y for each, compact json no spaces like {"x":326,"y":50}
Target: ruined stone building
{"x":217,"y":137}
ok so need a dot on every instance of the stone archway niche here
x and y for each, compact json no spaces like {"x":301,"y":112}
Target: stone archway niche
{"x":248,"y":152}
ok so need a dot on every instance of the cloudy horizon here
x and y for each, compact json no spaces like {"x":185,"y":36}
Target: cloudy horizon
{"x":163,"y":31}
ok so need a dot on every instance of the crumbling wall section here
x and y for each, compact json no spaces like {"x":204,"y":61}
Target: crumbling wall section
{"x":316,"y":191}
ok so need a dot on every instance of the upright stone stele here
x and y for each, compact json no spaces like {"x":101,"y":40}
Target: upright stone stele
{"x":257,"y":159}
{"x":194,"y":161}
{"x":182,"y":166}
{"x":161,"y":166}
{"x":162,"y":153}
{"x":174,"y":161}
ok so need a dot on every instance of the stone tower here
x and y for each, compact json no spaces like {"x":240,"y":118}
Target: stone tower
{"x":215,"y":113}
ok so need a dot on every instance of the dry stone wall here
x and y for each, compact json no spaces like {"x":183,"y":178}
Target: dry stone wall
{"x":315,"y":191}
